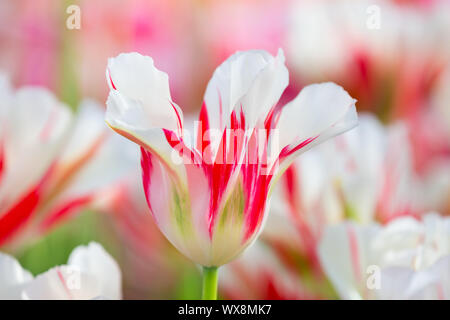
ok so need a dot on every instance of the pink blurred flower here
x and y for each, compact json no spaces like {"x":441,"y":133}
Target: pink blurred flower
{"x":390,"y":68}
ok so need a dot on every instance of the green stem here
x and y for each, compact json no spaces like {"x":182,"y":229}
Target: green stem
{"x":210,"y":277}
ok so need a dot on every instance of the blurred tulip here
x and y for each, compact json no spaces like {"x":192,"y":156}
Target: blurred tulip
{"x":403,"y":283}
{"x":387,"y":55}
{"x":90,"y":273}
{"x":363,"y":175}
{"x":259,"y":275}
{"x":351,"y":254}
{"x":211,"y":209}
{"x":53,"y":163}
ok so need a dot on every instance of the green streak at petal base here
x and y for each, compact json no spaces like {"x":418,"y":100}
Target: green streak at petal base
{"x":181,"y":212}
{"x":233,"y":211}
{"x":350,"y":213}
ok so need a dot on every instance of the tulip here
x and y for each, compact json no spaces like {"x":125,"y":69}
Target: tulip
{"x":48,"y":158}
{"x":90,"y":273}
{"x":385,"y":262}
{"x":343,"y":178}
{"x":208,"y":191}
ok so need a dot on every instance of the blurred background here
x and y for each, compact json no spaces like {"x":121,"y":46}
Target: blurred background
{"x":392,"y":56}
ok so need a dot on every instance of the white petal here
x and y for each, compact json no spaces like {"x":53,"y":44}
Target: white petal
{"x":319,"y":111}
{"x":37,"y":127}
{"x":344,"y":253}
{"x":365,"y":148}
{"x":62,"y":283}
{"x":129,"y":118}
{"x":88,"y":127}
{"x":253,"y":78}
{"x":12,"y":277}
{"x":396,"y":244}
{"x":94,"y":261}
{"x":106,"y":157}
{"x":405,"y":283}
{"x":136,"y":79}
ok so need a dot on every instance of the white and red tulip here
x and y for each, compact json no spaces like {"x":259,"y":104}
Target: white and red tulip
{"x":364,"y":175}
{"x":206,"y":196}
{"x":407,"y":255}
{"x":90,"y":273}
{"x":48,"y":160}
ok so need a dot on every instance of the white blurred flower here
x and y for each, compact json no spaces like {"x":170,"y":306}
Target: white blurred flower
{"x":409,"y":253}
{"x":90,"y":273}
{"x":365,"y":174}
{"x":53,"y":162}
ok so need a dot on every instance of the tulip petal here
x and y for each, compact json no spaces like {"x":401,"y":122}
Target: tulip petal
{"x":61,"y":283}
{"x":405,"y":283}
{"x":135,"y":78}
{"x":252,"y":79}
{"x":36,"y":131}
{"x":127,"y":117}
{"x":12,"y":277}
{"x":319,"y":112}
{"x":344,"y":255}
{"x":95,"y":261}
{"x":93,"y":160}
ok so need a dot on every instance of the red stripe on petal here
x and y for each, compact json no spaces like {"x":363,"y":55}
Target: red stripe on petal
{"x":15,"y":217}
{"x":49,"y":125}
{"x":180,"y":124}
{"x":21,"y":212}
{"x":354,"y":252}
{"x":269,"y":122}
{"x":292,"y":187}
{"x":288,"y":150}
{"x":111,"y":81}
{"x":63,"y":211}
{"x":188,"y":155}
{"x":64,"y":284}
{"x":203,"y":136}
{"x":256,"y":204}
{"x":147,"y":166}
{"x":2,"y":160}
{"x":440,"y":291}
